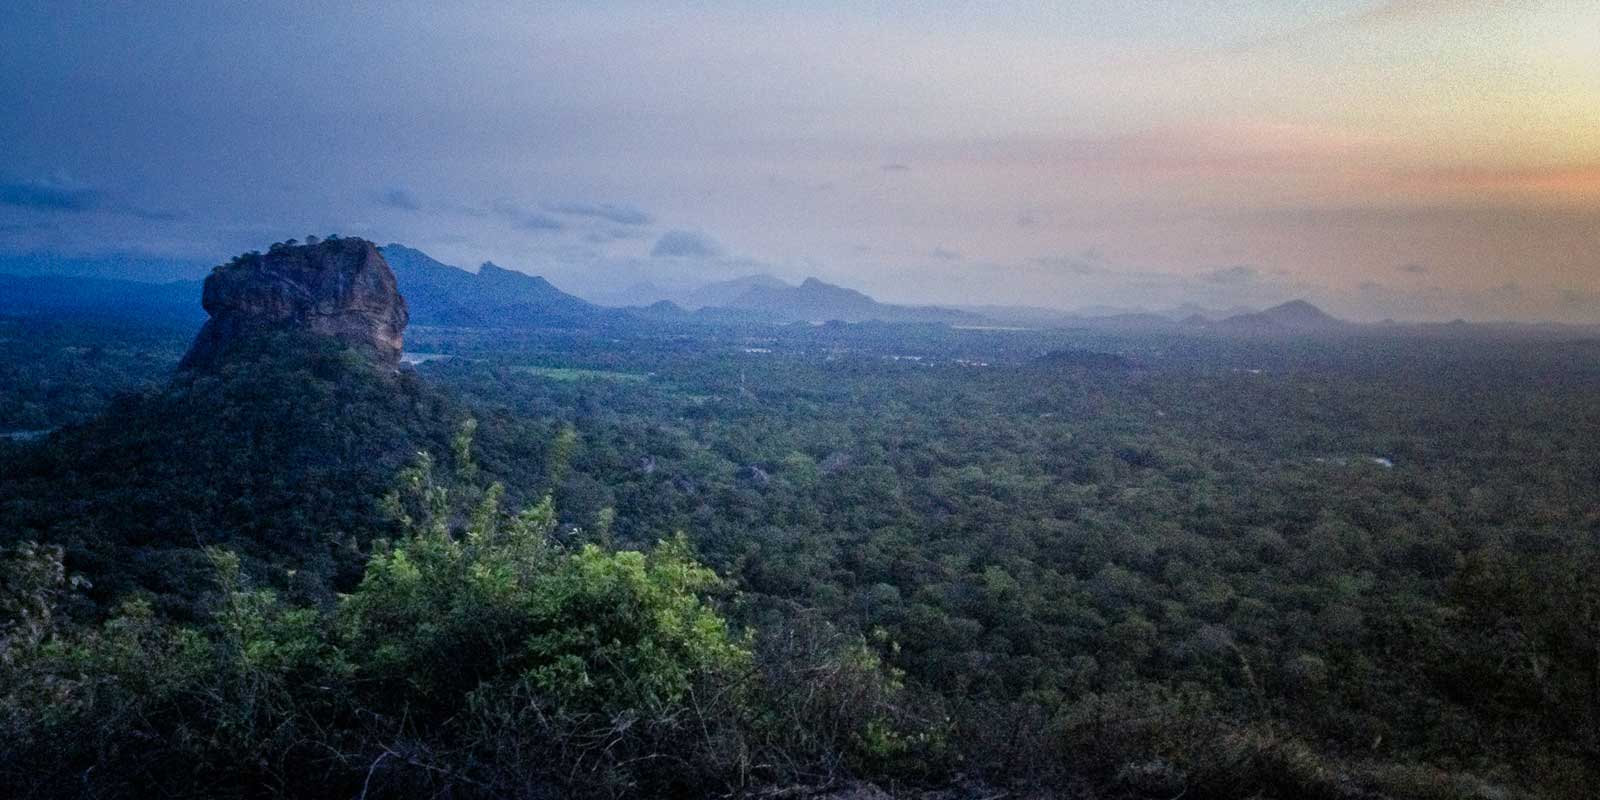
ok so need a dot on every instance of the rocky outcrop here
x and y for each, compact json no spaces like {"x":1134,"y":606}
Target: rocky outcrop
{"x":340,"y":288}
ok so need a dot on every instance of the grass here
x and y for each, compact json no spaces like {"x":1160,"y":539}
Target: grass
{"x":574,"y":374}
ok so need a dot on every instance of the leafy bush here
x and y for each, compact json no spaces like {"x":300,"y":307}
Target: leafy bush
{"x":484,"y":653}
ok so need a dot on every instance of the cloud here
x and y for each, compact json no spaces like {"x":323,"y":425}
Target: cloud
{"x":526,"y":219}
{"x":945,"y":255}
{"x":896,"y":167}
{"x":1026,"y":220}
{"x":608,"y":234}
{"x":1415,"y":11}
{"x":1579,"y":180}
{"x":401,"y":198}
{"x":1578,"y":299}
{"x":1087,"y":262}
{"x":1232,"y":276}
{"x":621,"y":215}
{"x":1388,"y":13}
{"x":48,"y":195}
{"x":1413,"y":268}
{"x":65,"y":195}
{"x":686,"y":244}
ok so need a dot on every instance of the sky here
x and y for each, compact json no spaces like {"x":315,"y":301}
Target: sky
{"x":1413,"y":159}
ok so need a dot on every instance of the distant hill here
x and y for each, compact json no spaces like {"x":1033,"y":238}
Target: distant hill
{"x":128,"y":267}
{"x":711,"y":295}
{"x":493,"y":297}
{"x":1294,"y":316}
{"x":643,"y":293}
{"x":1103,"y":317}
{"x":728,"y":293}
{"x":1193,"y":312}
{"x":817,"y":301}
{"x":58,"y":295}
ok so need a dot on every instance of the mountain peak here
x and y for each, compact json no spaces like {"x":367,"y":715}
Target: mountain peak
{"x":1298,"y":309}
{"x":1293,"y":315}
{"x":498,"y":275}
{"x":494,"y":296}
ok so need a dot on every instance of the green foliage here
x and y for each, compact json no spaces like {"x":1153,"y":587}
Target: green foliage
{"x":593,"y":630}
{"x":1188,"y":578}
{"x":1032,"y":536}
{"x":278,"y":458}
{"x":479,"y":656}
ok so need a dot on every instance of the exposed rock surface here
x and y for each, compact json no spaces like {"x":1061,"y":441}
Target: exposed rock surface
{"x":340,"y":288}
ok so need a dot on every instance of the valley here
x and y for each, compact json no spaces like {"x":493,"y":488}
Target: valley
{"x":1296,"y":544}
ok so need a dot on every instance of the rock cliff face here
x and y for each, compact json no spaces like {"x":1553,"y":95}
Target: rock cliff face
{"x":340,"y":288}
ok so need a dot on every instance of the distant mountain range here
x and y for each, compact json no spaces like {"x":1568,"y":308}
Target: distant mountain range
{"x":816,"y":301}
{"x":438,"y":294}
{"x":141,"y":268}
{"x":717,"y":294}
{"x":494,"y":297}
{"x":764,"y":298}
{"x":1108,"y":317}
{"x":728,"y":293}
{"x":58,"y":295}
{"x":442,"y":295}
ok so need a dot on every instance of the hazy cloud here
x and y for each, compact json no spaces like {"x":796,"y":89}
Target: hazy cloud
{"x":621,"y":215}
{"x":524,"y":218}
{"x":401,"y":198}
{"x":608,"y":234}
{"x":686,"y":244}
{"x":1413,"y":268}
{"x":65,"y":195}
{"x":1233,"y":276}
{"x":1580,"y":300}
{"x":560,"y":107}
{"x":1087,"y":262}
{"x":48,"y":195}
{"x":945,"y":255}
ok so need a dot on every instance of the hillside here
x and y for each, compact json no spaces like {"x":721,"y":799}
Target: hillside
{"x":816,"y":301}
{"x":286,"y":422}
{"x":1297,"y":316}
{"x":729,"y":292}
{"x":492,"y":297}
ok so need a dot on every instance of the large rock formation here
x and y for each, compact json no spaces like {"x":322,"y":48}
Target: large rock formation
{"x":340,"y":288}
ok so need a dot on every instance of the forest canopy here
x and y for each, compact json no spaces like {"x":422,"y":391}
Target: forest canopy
{"x":1339,"y":568}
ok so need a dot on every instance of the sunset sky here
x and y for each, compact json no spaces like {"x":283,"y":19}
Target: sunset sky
{"x":1414,"y":158}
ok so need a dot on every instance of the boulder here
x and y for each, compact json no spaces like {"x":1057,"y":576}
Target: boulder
{"x":339,"y":288}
